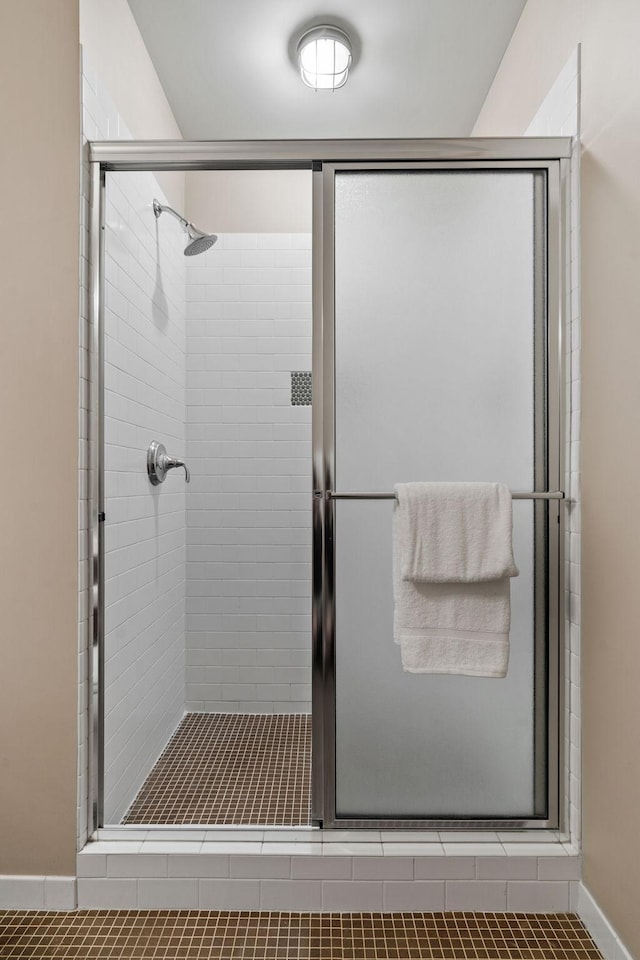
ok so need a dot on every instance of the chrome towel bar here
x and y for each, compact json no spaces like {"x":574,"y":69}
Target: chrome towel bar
{"x":515,"y":494}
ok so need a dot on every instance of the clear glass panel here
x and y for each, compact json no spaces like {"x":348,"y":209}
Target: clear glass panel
{"x":434,"y":368}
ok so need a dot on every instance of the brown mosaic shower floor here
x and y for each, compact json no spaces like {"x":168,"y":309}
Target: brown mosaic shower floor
{"x":132,"y":934}
{"x":231,"y":768}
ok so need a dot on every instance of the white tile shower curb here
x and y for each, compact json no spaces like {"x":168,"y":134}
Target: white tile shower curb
{"x":211,"y":872}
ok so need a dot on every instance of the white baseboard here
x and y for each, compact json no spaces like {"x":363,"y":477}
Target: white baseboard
{"x":606,"y":939}
{"x":38,"y":893}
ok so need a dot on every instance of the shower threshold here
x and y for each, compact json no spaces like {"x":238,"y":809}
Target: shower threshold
{"x":230,"y":769}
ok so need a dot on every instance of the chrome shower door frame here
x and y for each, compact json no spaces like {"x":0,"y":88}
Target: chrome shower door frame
{"x":550,"y":202}
{"x":321,"y":157}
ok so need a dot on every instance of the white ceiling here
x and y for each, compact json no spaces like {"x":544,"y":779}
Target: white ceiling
{"x":422,"y":67}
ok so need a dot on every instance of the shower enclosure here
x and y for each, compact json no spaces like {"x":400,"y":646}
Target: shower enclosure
{"x":438,"y":271}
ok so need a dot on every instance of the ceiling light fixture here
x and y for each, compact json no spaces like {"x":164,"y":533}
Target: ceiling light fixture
{"x":324,"y":57}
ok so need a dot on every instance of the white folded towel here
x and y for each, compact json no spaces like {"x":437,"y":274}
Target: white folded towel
{"x":456,"y":532}
{"x":454,"y":617}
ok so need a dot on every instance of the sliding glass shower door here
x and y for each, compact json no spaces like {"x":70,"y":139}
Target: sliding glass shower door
{"x":439,"y":363}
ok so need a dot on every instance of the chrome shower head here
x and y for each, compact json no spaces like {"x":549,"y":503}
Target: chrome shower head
{"x":198,"y":241}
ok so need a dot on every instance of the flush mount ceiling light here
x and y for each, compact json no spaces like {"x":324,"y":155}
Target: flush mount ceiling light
{"x":324,"y":57}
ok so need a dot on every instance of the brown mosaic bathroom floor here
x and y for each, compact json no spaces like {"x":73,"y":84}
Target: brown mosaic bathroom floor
{"x":137,"y":934}
{"x":231,"y":768}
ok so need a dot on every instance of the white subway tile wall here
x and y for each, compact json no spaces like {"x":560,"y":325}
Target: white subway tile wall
{"x":145,"y":526}
{"x":84,"y":360}
{"x":559,"y":115}
{"x":100,"y":121}
{"x":249,"y":449}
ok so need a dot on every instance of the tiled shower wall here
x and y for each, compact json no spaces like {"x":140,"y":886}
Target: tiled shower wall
{"x":100,"y":121}
{"x":145,"y":526}
{"x":249,"y":449}
{"x":559,"y":116}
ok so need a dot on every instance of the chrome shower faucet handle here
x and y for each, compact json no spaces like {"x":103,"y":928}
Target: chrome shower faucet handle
{"x":159,"y":463}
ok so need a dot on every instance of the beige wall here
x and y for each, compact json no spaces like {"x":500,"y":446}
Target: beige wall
{"x":250,"y":201}
{"x":39,"y":201}
{"x":110,"y":35}
{"x":546,"y":35}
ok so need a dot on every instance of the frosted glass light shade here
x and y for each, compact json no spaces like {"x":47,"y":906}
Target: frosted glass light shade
{"x":324,"y":58}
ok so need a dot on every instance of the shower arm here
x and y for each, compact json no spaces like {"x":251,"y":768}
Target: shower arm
{"x":159,"y":208}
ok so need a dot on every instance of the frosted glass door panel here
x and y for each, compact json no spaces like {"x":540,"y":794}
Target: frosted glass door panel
{"x":434,"y":380}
